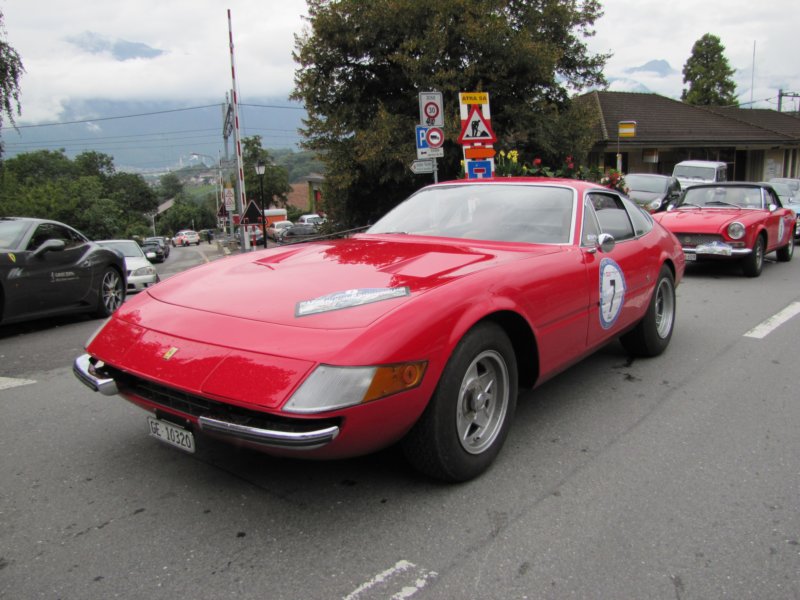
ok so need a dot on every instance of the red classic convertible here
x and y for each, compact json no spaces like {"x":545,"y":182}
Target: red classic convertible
{"x":420,"y":330}
{"x":732,"y":221}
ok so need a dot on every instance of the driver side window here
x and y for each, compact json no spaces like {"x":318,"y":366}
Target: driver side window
{"x":612,"y":216}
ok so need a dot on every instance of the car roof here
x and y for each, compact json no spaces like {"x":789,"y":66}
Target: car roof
{"x":702,"y":163}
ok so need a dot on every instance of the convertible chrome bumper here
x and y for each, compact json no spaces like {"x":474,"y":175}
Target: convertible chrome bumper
{"x":716,"y":249}
{"x":90,"y":372}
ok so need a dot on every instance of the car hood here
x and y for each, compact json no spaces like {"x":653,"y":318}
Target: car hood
{"x":136,"y":262}
{"x":351,"y":282}
{"x":705,"y":220}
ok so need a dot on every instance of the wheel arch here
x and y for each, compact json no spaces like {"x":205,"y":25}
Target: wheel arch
{"x":523,"y":340}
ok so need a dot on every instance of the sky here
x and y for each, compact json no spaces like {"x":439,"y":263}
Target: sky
{"x":91,"y":60}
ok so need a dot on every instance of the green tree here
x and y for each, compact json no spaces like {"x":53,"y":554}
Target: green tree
{"x":11,"y":70}
{"x":276,"y":178}
{"x":361,"y":66}
{"x":709,"y":75}
{"x":169,"y":186}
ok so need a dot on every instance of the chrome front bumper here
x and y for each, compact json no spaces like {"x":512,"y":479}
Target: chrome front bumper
{"x":717,"y":249}
{"x":90,"y":372}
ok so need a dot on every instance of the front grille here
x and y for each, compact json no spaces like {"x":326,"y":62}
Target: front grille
{"x":691,"y":240}
{"x":199,"y":406}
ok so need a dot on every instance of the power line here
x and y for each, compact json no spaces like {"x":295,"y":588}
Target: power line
{"x":147,"y":114}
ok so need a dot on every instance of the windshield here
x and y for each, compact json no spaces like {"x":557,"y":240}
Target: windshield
{"x":706,"y":173}
{"x":723,"y":197}
{"x":11,"y":233}
{"x":128,"y":249}
{"x":642,"y":183}
{"x":496,"y":212}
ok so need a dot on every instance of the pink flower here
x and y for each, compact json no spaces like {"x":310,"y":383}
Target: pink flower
{"x":537,"y":162}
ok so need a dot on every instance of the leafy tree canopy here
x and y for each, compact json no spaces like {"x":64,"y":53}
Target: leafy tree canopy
{"x":276,"y":178}
{"x":708,"y":74}
{"x":11,"y":70}
{"x":361,"y":66}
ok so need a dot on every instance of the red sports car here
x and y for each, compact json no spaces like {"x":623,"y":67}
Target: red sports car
{"x":732,"y":221}
{"x":420,"y":330}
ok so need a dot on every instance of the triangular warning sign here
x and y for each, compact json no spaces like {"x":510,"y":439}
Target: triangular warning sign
{"x":252,"y":215}
{"x":476,"y":129}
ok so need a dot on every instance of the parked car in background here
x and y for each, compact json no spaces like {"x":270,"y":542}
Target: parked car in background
{"x":732,"y":221}
{"x":274,"y":230}
{"x":48,"y":268}
{"x":298,"y":230}
{"x":794,"y":184}
{"x":422,"y":329}
{"x":692,"y":172}
{"x":164,"y":242}
{"x":790,"y":198}
{"x":312,"y":218}
{"x":652,"y":192}
{"x":187,"y":237}
{"x":153,"y":251}
{"x":141,"y":273}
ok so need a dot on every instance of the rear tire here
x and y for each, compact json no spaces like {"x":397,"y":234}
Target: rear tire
{"x":467,"y":420}
{"x":111,"y":294}
{"x":785,"y":254}
{"x":652,"y":334}
{"x":754,"y":262}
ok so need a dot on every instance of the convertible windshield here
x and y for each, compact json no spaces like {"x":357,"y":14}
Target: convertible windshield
{"x":536,"y":214}
{"x":721,"y":197}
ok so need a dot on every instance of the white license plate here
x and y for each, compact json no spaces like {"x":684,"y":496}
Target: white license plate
{"x":171,"y":434}
{"x":690,"y":257}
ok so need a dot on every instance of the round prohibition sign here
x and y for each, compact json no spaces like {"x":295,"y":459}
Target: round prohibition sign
{"x":431,"y":110}
{"x":435,"y":137}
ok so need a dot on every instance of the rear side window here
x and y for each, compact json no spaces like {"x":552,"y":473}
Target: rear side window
{"x":612,"y":216}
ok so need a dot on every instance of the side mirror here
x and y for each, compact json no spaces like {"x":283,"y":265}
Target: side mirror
{"x":50,"y":246}
{"x":773,"y":207}
{"x":605,"y":243}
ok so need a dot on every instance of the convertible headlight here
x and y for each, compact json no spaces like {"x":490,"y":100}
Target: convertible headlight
{"x":144,"y":271}
{"x":331,"y":388}
{"x":736,"y":230}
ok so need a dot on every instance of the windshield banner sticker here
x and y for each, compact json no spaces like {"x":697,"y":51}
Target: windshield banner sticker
{"x":612,"y":292}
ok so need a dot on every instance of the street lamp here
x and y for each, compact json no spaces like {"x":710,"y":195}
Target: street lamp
{"x":261,"y":167}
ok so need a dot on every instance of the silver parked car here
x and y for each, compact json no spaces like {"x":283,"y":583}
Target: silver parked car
{"x":141,"y":272}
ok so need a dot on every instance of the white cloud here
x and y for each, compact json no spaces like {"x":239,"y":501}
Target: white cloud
{"x":194,"y":67}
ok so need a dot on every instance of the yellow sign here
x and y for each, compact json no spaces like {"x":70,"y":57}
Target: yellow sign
{"x":473,"y":97}
{"x":627,"y":129}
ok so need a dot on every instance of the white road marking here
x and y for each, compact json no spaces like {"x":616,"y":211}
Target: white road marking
{"x":8,"y":383}
{"x":767,"y":326}
{"x":391,"y":579}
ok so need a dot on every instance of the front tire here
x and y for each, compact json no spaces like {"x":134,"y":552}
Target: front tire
{"x":111,"y":294}
{"x":652,"y":334}
{"x":467,"y":420}
{"x":754,"y":262}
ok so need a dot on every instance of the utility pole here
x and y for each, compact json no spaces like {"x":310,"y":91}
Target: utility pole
{"x":782,"y":95}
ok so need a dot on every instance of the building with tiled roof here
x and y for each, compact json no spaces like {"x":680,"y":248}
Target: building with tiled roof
{"x":755,"y":143}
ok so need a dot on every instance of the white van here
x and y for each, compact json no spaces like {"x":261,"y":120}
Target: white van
{"x":692,"y":172}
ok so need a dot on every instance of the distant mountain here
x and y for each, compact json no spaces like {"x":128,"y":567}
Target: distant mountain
{"x":659,"y":67}
{"x":122,"y":50}
{"x":622,"y":84}
{"x":143,"y":136}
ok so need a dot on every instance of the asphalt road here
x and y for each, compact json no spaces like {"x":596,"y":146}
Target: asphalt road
{"x":676,"y":477}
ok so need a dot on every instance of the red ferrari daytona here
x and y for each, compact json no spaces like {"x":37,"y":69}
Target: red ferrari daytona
{"x":419,"y":331}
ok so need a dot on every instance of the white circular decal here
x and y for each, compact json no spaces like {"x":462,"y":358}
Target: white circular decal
{"x":612,"y":292}
{"x":781,"y":229}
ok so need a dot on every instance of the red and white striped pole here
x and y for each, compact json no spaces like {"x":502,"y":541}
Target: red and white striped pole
{"x":241,"y":203}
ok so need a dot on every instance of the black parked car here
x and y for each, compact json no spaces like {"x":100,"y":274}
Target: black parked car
{"x":164,"y":242}
{"x":48,"y":268}
{"x":156,"y":248}
{"x":652,"y":192}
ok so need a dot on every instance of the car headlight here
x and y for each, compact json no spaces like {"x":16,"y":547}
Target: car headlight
{"x":144,"y":271}
{"x":654,"y":205}
{"x":331,"y":388}
{"x":736,"y":230}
